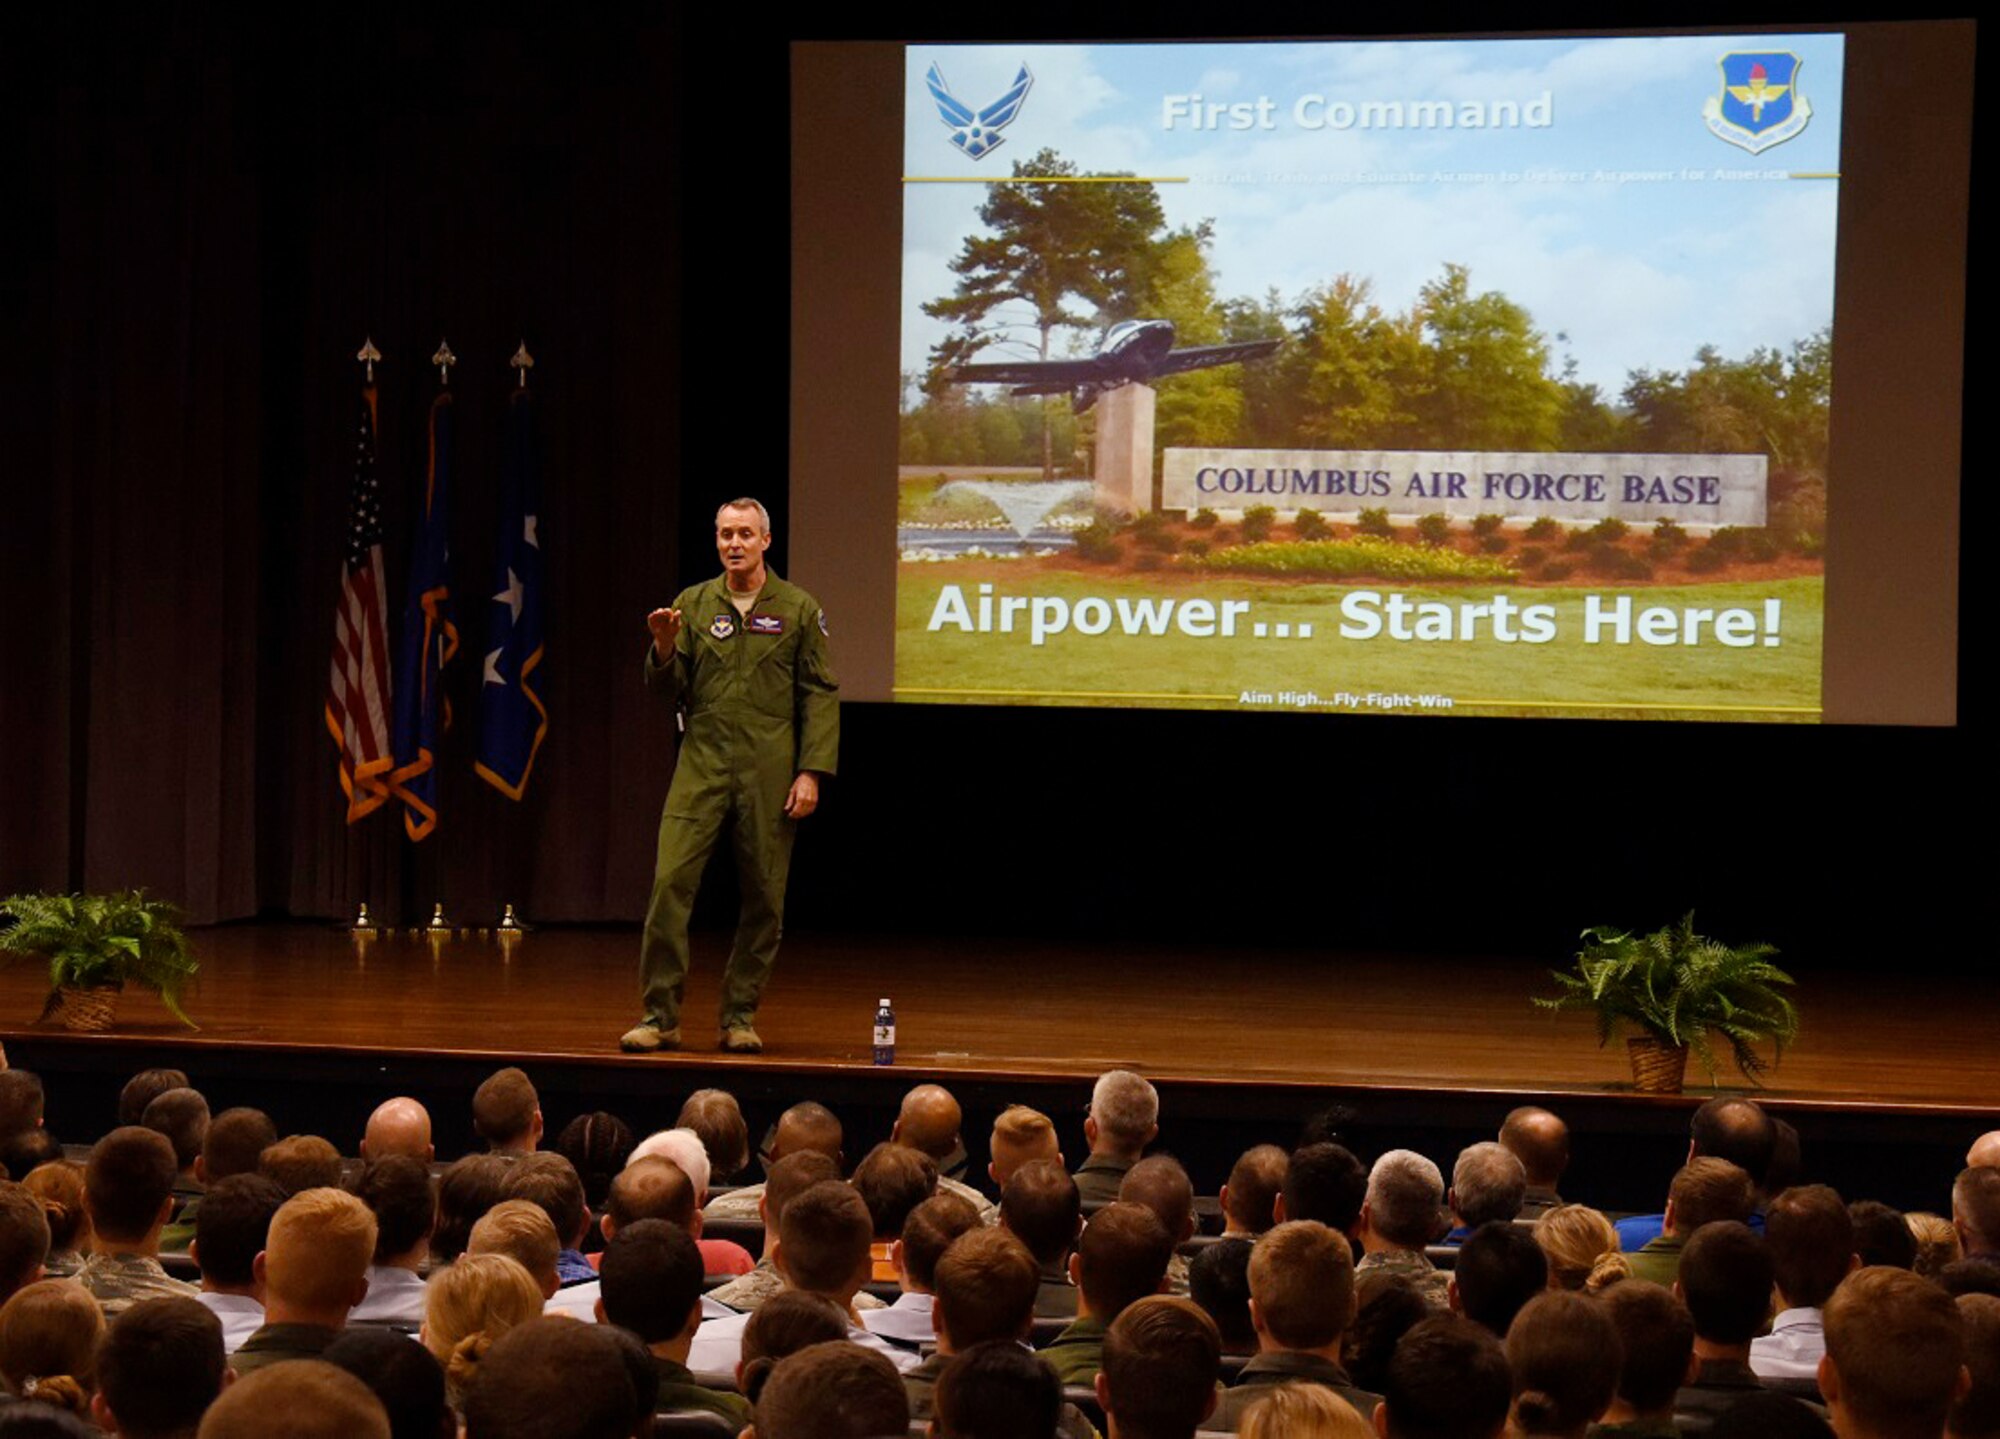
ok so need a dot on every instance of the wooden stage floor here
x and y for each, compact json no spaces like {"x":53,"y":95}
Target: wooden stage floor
{"x":992,"y":1010}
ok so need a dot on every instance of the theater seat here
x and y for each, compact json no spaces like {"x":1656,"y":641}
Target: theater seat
{"x":1041,"y":1331}
{"x":694,"y":1423}
{"x":747,"y":1232}
{"x":1444,"y":1256}
{"x":1084,"y":1397}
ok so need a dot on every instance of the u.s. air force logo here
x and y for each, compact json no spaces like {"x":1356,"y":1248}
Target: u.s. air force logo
{"x":977,"y":131}
{"x":722,"y":626}
{"x":1759,"y":105}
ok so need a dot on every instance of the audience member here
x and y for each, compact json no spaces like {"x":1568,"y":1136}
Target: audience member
{"x":397,"y":1190}
{"x":652,"y":1287}
{"x":236,"y":1141}
{"x":1500,"y":1268}
{"x":128,"y":1193}
{"x":181,"y":1115}
{"x":986,"y":1292}
{"x":1970,"y":1276}
{"x":551,"y":1181}
{"x":1219,"y":1281}
{"x":1324,"y":1182}
{"x":1564,"y":1354}
{"x":929,"y":1122}
{"x":807,"y":1127}
{"x":892,"y":1179}
{"x":401,"y":1373}
{"x":48,"y":1344}
{"x":465,"y":1191}
{"x":300,"y":1162}
{"x":683,"y":1147}
{"x":1301,"y":1301}
{"x":1985,"y":1151}
{"x":296,"y":1399}
{"x":1811,"y":1243}
{"x":1163,"y":1186}
{"x":1733,"y":1128}
{"x":927,"y":1233}
{"x":788,"y":1177}
{"x":1250,"y":1198}
{"x":1303,"y":1411}
{"x":717,"y":1120}
{"x":468,"y":1306}
{"x":399,"y":1127}
{"x":782,"y":1325}
{"x":142,"y":1089}
{"x":822,"y":1247}
{"x":1120,"y":1258}
{"x":1936,"y":1241}
{"x":1448,"y":1379}
{"x":1124,"y":1118}
{"x":658,"y":1188}
{"x":831,"y":1391}
{"x":24,"y":1237}
{"x":1021,"y":1136}
{"x":1581,"y":1246}
{"x":28,"y":1149}
{"x":1895,"y":1357}
{"x":58,"y":1186}
{"x":507,"y":1113}
{"x":1656,"y":1348}
{"x":159,"y":1367}
{"x":598,"y":1144}
{"x":1161,"y":1355}
{"x":1976,"y":1415}
{"x":314,"y":1269}
{"x":1041,"y":1207}
{"x":1540,"y":1141}
{"x":1725,"y":1281}
{"x":233,"y":1228}
{"x":1399,"y":1216}
{"x":520,"y":1230}
{"x":21,"y":1101}
{"x":1705,"y":1191}
{"x":1386,"y":1307}
{"x":1487,"y":1185}
{"x":1881,"y":1236}
{"x":996,"y":1390}
{"x":1975,"y":1212}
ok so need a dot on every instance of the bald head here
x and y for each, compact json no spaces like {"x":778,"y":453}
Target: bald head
{"x":399,"y":1126}
{"x":1540,"y":1140}
{"x":807,"y":1126}
{"x":1985,"y":1151}
{"x":929,"y":1121}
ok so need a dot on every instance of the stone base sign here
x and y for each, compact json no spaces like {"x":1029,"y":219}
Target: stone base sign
{"x":1125,"y":449}
{"x":1575,"y":488}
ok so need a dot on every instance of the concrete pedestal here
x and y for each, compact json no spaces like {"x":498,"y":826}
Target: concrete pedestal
{"x":1125,"y":449}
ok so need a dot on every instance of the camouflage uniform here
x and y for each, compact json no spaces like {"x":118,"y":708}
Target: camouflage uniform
{"x":747,"y":1291}
{"x":1432,"y":1282}
{"x":762,"y":705}
{"x":118,"y":1281}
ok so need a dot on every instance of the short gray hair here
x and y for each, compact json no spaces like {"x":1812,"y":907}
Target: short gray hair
{"x":1125,"y":1106}
{"x":1404,"y":1192}
{"x":1488,"y":1182}
{"x":746,"y":503}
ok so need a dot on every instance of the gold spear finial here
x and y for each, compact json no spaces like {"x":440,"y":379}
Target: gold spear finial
{"x":523,"y":362}
{"x":444,"y":359}
{"x":368,"y":355}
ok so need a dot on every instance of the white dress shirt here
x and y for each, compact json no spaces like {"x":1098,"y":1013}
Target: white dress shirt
{"x":907,"y":1322}
{"x":241,"y":1317}
{"x":718,"y":1346}
{"x":1792,"y":1349}
{"x":395,"y":1296}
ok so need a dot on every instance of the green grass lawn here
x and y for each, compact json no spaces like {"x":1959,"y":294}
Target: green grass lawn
{"x":1481,"y":676}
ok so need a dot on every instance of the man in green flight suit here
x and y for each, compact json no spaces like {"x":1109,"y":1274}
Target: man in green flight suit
{"x":744,"y":655}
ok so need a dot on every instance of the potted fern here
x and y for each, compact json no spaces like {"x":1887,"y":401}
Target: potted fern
{"x":96,"y":944}
{"x":1678,"y":988}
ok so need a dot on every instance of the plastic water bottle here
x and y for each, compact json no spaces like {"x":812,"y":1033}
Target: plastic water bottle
{"x":885,"y":1034}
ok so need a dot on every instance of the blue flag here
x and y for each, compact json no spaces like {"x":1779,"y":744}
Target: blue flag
{"x":513,"y":720}
{"x":430,"y":639}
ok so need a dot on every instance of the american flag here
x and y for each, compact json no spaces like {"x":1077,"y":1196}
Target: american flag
{"x":357,"y":695}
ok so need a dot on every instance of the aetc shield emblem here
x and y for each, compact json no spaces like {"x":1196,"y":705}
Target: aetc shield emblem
{"x":1760,"y":104}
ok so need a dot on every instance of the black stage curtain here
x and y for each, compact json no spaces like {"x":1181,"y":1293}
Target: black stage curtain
{"x":212,"y":213}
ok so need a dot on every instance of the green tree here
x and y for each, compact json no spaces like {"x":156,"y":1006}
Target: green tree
{"x":1050,"y":244}
{"x":1360,"y":373}
{"x":1490,"y":387}
{"x":1200,"y":407}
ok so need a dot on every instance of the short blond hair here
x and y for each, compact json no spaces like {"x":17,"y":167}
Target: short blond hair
{"x":319,"y":1248}
{"x":1575,"y":1238}
{"x":1937,"y":1242}
{"x":469,"y":1304}
{"x":296,"y":1399}
{"x":1020,"y":1136}
{"x":1303,"y":1411}
{"x":522,"y":1230}
{"x":1302,"y":1282}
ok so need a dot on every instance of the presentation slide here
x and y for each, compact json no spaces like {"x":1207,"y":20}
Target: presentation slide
{"x":1468,"y":377}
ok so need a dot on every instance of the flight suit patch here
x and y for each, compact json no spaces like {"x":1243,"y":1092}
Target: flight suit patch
{"x":722,"y":626}
{"x":767,"y":624}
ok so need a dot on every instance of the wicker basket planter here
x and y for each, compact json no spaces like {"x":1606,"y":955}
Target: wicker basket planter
{"x":1657,"y":1066}
{"x":86,"y":1009}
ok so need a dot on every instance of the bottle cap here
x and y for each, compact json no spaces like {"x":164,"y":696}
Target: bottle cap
{"x":885,"y":1002}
